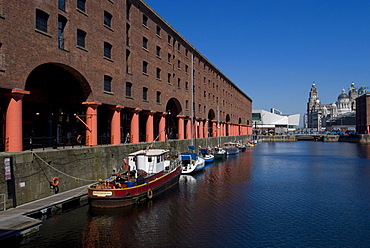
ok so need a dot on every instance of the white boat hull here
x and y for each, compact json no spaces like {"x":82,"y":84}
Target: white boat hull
{"x":198,"y":165}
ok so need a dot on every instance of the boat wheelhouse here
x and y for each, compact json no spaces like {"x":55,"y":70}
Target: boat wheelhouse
{"x":146,"y":174}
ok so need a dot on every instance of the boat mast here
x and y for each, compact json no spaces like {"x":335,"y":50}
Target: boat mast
{"x":218,"y":123}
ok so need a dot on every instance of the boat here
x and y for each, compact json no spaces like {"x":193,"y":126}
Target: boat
{"x":147,"y":174}
{"x":191,"y":162}
{"x":206,"y":155}
{"x":218,"y":152}
{"x":241,"y":146}
{"x":250,"y":144}
{"x":231,"y":148}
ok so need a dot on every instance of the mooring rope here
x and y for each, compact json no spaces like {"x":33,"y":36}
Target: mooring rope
{"x":77,"y":178}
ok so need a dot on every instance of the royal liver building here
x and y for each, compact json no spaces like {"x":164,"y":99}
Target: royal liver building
{"x":338,"y":115}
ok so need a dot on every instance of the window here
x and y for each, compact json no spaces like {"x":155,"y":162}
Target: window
{"x":145,"y":93}
{"x":178,"y":64}
{"x":128,"y":10}
{"x":169,"y":39}
{"x":145,"y":67}
{"x":107,"y":19}
{"x":158,"y":73}
{"x":169,"y":78}
{"x":81,"y":37}
{"x":128,"y":34}
{"x":42,"y":21}
{"x":145,"y":20}
{"x":81,"y":5}
{"x":169,"y":58}
{"x":186,"y":52}
{"x":178,"y":47}
{"x":186,"y":68}
{"x":178,"y":83}
{"x":145,"y":43}
{"x":62,"y":5}
{"x":199,"y":108}
{"x":158,"y":51}
{"x":186,"y":85}
{"x":128,"y":89}
{"x":107,"y":50}
{"x":204,"y":94}
{"x":158,"y":98}
{"x":187,"y":104}
{"x":158,"y":30}
{"x":128,"y":61}
{"x":62,"y":22}
{"x":107,"y":83}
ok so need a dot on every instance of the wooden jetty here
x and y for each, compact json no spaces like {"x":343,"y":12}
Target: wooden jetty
{"x":25,"y":219}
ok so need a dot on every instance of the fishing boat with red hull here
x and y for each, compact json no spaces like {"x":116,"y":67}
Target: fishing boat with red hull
{"x":147,"y":174}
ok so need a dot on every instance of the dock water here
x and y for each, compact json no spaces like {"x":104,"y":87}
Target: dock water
{"x":26,"y":219}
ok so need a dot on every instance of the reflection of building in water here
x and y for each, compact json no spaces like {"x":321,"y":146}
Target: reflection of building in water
{"x":338,"y":116}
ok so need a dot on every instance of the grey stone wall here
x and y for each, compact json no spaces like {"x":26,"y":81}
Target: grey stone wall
{"x":79,"y":166}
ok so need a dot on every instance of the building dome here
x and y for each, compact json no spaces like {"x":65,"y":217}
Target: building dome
{"x":343,"y":95}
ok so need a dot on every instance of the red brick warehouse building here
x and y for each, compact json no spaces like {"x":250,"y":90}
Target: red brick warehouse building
{"x":105,"y":69}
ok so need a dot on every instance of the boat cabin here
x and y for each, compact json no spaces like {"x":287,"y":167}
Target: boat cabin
{"x":188,"y":157}
{"x":151,"y":160}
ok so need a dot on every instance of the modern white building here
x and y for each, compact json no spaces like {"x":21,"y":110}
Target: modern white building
{"x":267,"y":122}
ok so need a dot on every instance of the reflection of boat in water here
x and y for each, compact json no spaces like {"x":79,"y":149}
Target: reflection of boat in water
{"x":187,"y":179}
{"x":231,"y":148}
{"x":206,"y":155}
{"x":149,"y":173}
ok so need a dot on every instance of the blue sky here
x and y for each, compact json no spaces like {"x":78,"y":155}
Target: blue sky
{"x":274,"y":50}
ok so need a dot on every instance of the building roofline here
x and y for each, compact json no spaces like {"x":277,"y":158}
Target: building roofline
{"x":190,"y":45}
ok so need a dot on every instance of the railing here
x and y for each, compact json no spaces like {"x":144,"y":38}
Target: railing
{"x":3,"y":196}
{"x":43,"y":142}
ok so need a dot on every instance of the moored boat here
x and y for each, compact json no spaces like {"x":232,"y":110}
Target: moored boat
{"x":218,"y":152}
{"x":206,"y":155}
{"x":241,"y":146}
{"x":149,"y":172}
{"x":231,"y":148}
{"x":191,"y":162}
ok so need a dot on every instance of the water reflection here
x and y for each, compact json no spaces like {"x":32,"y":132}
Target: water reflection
{"x":299,"y":194}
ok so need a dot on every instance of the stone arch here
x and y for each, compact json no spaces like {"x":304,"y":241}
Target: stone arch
{"x":173,"y":109}
{"x":49,"y":113}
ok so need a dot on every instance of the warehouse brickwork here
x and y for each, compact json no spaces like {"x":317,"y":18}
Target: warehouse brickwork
{"x":93,"y":72}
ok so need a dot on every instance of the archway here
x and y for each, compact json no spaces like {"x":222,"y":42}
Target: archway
{"x":211,"y":117}
{"x":49,"y":112}
{"x":173,"y":109}
{"x":227,"y":124}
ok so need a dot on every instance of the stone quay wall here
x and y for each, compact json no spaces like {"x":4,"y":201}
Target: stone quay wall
{"x":78,"y":166}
